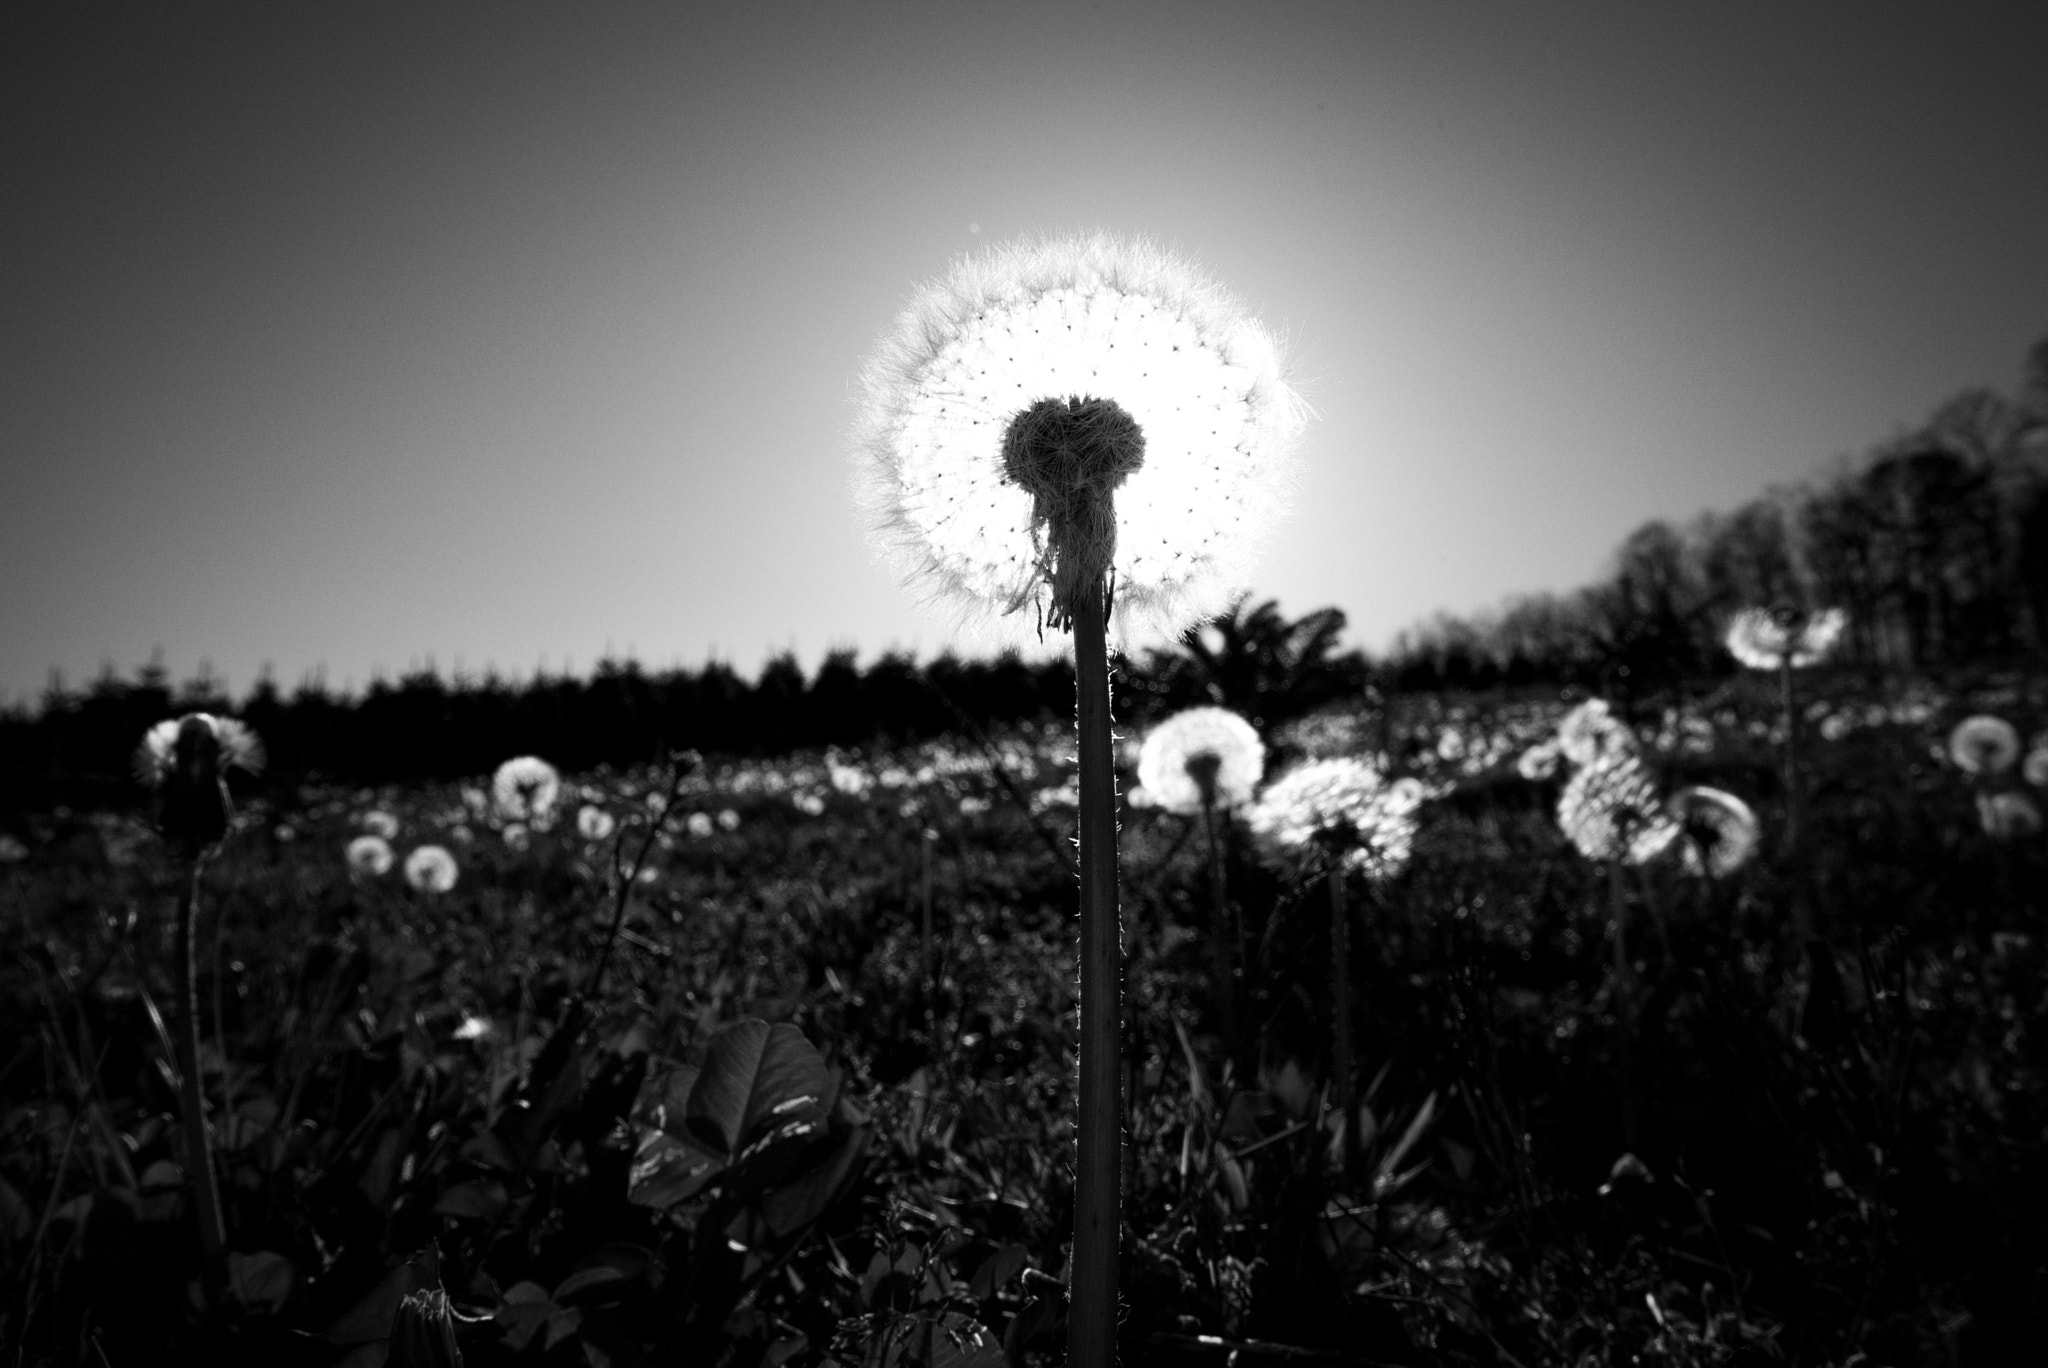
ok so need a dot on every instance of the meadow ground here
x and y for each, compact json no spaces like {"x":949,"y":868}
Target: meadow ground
{"x":817,"y":1103}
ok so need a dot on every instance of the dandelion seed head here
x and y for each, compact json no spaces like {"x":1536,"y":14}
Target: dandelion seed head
{"x":525,"y":789}
{"x":1591,"y":734}
{"x":2034,"y":769}
{"x":1984,"y":745}
{"x":1610,"y":811}
{"x":517,"y":836}
{"x":1717,"y":832}
{"x":699,"y":824}
{"x":1771,"y":638}
{"x":1198,"y":754}
{"x":378,"y":822}
{"x":185,"y":761}
{"x":1339,"y":809}
{"x":1540,"y":761}
{"x":1037,"y":377}
{"x":593,"y":823}
{"x":431,"y":869}
{"x":2008,"y":816}
{"x":370,"y":856}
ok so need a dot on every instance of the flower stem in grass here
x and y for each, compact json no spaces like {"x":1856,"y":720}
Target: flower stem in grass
{"x":1091,"y":1316}
{"x":1624,"y":998}
{"x":1340,"y":1011}
{"x":198,"y":1146}
{"x":1222,"y":934}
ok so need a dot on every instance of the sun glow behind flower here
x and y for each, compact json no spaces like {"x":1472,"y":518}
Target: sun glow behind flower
{"x":1075,"y":319}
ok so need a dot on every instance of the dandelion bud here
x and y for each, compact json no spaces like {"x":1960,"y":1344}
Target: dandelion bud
{"x":423,"y":1332}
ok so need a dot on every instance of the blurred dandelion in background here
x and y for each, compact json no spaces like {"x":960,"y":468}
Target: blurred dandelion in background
{"x":1984,"y":746}
{"x":378,"y":822}
{"x":1339,"y":811}
{"x":1540,"y":761}
{"x":2034,"y":769}
{"x":1199,"y":761}
{"x":370,"y":856}
{"x":1786,"y":638}
{"x":1782,"y":637}
{"x":593,"y":823}
{"x":1201,"y":758}
{"x":1611,"y":811}
{"x":2008,"y":816}
{"x":430,"y":869}
{"x":1090,"y":429}
{"x":525,"y":789}
{"x":728,"y":820}
{"x":516,"y":836}
{"x":1717,"y":831}
{"x":699,"y":824}
{"x":1591,"y":734}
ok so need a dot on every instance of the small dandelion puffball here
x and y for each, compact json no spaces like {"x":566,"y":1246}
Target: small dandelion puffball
{"x":1717,"y":832}
{"x":2034,"y":769}
{"x":380,"y":823}
{"x":1054,"y":409}
{"x":1339,"y":809}
{"x":185,"y":761}
{"x":370,"y":856}
{"x":1540,"y":761}
{"x":2008,"y":816}
{"x":593,"y":823}
{"x":1201,"y":757}
{"x":525,"y":789}
{"x":1983,"y":745}
{"x":430,"y":869}
{"x":1591,"y":734}
{"x":1772,"y":638}
{"x":1610,"y":811}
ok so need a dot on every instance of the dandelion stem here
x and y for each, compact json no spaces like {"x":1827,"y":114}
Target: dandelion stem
{"x":1091,"y":1317}
{"x":198,"y":1146}
{"x":1222,"y":936}
{"x":1340,"y":1009}
{"x":1624,"y":998}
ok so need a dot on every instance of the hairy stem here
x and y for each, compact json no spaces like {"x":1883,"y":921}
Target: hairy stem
{"x":1091,"y":1318}
{"x":213,"y":1237}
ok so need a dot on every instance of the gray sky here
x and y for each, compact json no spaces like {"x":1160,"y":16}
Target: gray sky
{"x":363,"y":335}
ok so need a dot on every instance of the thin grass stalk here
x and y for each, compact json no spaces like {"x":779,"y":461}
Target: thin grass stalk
{"x":1092,"y":1292}
{"x":198,"y":1146}
{"x":1340,"y":1012}
{"x":1222,"y":936}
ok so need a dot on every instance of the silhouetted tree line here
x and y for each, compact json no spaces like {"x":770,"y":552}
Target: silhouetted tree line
{"x":76,"y":748}
{"x":1936,"y":542}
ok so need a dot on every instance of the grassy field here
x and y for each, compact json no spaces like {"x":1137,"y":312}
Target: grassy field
{"x":817,"y":1104}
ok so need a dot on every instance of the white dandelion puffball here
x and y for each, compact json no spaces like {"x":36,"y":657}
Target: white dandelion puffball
{"x":2034,"y":769}
{"x":1067,"y":369}
{"x":1339,"y":807}
{"x":380,"y":823}
{"x":1984,"y":745}
{"x":525,"y":789}
{"x":593,"y":823}
{"x":1201,"y":754}
{"x":1610,"y":811}
{"x":728,"y":820}
{"x":1717,"y":832}
{"x":517,"y":836}
{"x":1540,"y":761}
{"x":1591,"y":734}
{"x":698,"y":824}
{"x":431,"y":869}
{"x":1771,"y":638}
{"x":370,"y":856}
{"x":2008,"y":816}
